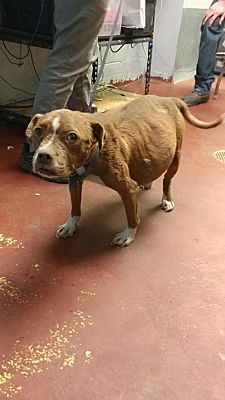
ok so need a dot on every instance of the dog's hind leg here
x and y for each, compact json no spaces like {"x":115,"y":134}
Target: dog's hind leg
{"x":167,"y":203}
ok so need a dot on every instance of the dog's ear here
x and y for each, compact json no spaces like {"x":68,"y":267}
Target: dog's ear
{"x":32,"y":123}
{"x":99,"y":133}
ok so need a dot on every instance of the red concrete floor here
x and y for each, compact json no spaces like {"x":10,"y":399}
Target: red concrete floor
{"x":83,"y":321}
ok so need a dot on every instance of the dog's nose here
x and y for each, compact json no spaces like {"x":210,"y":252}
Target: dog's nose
{"x":44,"y":158}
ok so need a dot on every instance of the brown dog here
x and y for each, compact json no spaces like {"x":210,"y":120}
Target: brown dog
{"x":127,"y":147}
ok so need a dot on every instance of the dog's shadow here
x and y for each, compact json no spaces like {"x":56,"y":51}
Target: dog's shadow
{"x":97,"y":229}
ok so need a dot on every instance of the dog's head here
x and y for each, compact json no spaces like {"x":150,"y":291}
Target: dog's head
{"x":63,"y":141}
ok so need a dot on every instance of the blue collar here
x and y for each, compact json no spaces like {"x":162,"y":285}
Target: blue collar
{"x":79,"y":176}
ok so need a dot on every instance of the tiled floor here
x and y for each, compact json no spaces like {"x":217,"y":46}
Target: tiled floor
{"x":83,"y":321}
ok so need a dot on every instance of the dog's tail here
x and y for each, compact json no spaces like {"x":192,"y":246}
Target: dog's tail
{"x":195,"y":121}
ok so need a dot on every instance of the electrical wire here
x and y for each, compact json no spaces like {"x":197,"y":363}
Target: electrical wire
{"x":116,"y":51}
{"x":29,"y":43}
{"x":16,"y":106}
{"x":34,"y":68}
{"x":29,"y":52}
{"x":13,"y":87}
{"x":11,"y":62}
{"x":20,"y":58}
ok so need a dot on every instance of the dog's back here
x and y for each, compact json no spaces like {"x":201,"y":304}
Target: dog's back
{"x":146,"y":130}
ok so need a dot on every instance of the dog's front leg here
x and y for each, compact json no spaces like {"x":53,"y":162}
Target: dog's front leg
{"x":68,"y":229}
{"x":126,"y":237}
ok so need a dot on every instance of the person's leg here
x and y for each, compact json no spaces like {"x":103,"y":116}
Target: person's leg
{"x":77,"y":26}
{"x":204,"y":77}
{"x":80,"y":97}
{"x":207,"y":57}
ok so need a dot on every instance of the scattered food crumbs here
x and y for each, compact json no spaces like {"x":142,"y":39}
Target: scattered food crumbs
{"x":89,"y":293}
{"x":37,"y":194}
{"x":10,"y":241}
{"x":7,"y":289}
{"x":36,"y":267}
{"x":12,"y":294}
{"x":5,"y":377}
{"x":69,"y":361}
{"x":11,"y":390}
{"x":28,"y":360}
{"x":88,"y":355}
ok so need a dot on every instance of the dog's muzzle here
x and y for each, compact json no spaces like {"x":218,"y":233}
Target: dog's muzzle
{"x":43,"y":163}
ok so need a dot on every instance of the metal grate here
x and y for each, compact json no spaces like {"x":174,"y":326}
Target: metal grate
{"x":219,"y":155}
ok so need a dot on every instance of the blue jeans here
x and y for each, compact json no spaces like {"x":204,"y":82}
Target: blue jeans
{"x":210,"y":37}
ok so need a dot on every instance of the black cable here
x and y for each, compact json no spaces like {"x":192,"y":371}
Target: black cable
{"x":116,"y":51}
{"x":29,"y":43}
{"x":34,"y":68}
{"x":20,"y":58}
{"x":13,"y":87}
{"x":11,"y":62}
{"x":20,"y":51}
{"x":29,"y":51}
{"x":13,"y":55}
{"x":15,"y":107}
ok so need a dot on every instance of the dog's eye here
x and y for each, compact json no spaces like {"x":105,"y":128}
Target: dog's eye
{"x":38,"y":132}
{"x":71,"y":137}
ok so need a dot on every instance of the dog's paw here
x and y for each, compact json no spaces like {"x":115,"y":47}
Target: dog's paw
{"x":167,"y":205}
{"x":67,"y":229}
{"x":146,"y":187}
{"x":124,"y":238}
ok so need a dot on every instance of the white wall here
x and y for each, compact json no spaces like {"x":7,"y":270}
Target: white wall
{"x":128,"y":64}
{"x":197,"y":3}
{"x":176,"y":38}
{"x":166,"y":31}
